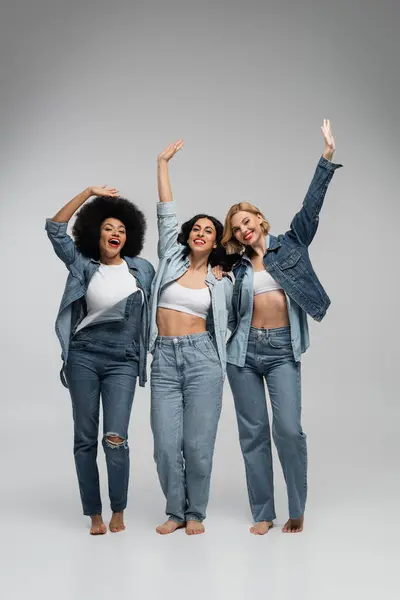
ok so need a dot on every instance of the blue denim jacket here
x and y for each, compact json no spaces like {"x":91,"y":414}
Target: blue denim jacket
{"x":81,"y":270}
{"x":174,"y":262}
{"x":287,"y":260}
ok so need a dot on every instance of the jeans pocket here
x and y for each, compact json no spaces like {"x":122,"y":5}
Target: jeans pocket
{"x":207,"y":349}
{"x":132,"y":352}
{"x":280,"y":341}
{"x":79,"y":344}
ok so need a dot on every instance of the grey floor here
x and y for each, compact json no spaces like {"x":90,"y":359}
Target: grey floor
{"x":349,"y":549}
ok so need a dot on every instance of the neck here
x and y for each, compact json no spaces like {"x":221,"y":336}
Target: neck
{"x":115,"y":260}
{"x":198,"y":263}
{"x":260,"y":247}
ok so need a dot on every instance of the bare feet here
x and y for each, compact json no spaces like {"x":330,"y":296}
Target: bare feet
{"x":117,"y":522}
{"x":294,"y":526}
{"x":194,"y":527}
{"x":169,"y":527}
{"x":261,"y":528}
{"x":98,"y":526}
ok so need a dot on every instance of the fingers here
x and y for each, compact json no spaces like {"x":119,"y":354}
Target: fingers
{"x":327,"y":133}
{"x":171,"y":149}
{"x":178,"y":145}
{"x":109,"y":191}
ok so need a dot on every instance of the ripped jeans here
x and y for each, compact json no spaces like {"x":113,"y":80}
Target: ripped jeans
{"x":103,"y":360}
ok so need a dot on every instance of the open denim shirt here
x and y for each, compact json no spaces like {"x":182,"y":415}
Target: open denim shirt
{"x":81,"y":270}
{"x":287,"y":260}
{"x":174,"y":262}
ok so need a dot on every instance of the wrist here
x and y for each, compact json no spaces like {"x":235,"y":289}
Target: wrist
{"x":328,"y":155}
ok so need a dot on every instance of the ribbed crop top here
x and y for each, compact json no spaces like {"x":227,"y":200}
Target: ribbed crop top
{"x":194,"y":302}
{"x":263,"y":282}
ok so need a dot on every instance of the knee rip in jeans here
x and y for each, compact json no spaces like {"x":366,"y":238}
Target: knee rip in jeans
{"x":114,"y":441}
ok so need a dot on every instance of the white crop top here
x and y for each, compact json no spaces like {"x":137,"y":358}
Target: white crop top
{"x":108,"y":286}
{"x":263,"y":282}
{"x":187,"y":300}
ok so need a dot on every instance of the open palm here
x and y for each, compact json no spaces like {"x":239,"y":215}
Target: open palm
{"x":171,"y":150}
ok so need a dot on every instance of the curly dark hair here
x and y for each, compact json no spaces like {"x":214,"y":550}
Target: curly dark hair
{"x":218,"y":256}
{"x":86,"y":230}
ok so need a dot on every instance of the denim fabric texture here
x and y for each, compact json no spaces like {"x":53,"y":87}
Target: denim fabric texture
{"x":103,"y":361}
{"x":186,"y":396}
{"x":81,"y":270}
{"x":287,"y":260}
{"x":270,"y":358}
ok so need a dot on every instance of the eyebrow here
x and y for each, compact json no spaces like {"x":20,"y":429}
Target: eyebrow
{"x":111,"y":225}
{"x":206,"y":227}
{"x":240,"y":222}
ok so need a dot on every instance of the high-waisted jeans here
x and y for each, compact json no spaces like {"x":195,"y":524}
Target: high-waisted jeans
{"x":186,"y":397}
{"x":270,"y":356}
{"x":103,"y":360}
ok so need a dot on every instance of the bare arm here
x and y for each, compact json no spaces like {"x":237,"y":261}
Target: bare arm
{"x":164,"y":185}
{"x":63,"y":244}
{"x":168,"y":227}
{"x":67,"y":211}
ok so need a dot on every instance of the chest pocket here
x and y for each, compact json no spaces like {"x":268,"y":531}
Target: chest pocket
{"x":290,"y":261}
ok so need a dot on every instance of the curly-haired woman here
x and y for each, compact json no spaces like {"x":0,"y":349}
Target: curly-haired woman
{"x":188,"y":328}
{"x":102,"y":326}
{"x":275,"y":288}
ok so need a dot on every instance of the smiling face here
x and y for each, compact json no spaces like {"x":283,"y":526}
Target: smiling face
{"x":112,"y":238}
{"x":246,"y":228}
{"x":202,"y":237}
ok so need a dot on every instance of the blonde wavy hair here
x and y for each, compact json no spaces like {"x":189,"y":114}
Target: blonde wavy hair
{"x":230,"y":243}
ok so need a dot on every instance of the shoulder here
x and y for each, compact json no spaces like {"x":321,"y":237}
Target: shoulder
{"x":142,"y":264}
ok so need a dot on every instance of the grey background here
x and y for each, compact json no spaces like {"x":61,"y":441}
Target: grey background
{"x":90,"y":92}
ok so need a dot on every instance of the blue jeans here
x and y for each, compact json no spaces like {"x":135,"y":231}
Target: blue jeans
{"x":103,"y":360}
{"x":186,"y":398}
{"x":270,"y":355}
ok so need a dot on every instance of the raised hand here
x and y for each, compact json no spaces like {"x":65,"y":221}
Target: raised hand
{"x":329,"y":140}
{"x":103,"y":190}
{"x":170,"y":151}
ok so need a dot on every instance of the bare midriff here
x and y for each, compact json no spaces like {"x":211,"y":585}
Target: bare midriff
{"x":176,"y":323}
{"x":270,"y":310}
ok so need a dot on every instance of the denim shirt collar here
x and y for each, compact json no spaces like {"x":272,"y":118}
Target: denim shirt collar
{"x":272,"y":243}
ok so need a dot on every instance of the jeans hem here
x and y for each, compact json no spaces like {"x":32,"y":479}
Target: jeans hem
{"x":298,"y":515}
{"x":118,"y":509}
{"x":194,"y":518}
{"x":175,"y":519}
{"x":93,"y":513}
{"x":269,"y":519}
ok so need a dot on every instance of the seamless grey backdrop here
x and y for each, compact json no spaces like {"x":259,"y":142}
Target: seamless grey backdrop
{"x":90,"y":92}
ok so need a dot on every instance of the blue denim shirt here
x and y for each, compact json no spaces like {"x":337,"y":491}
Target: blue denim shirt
{"x":288,"y":261}
{"x":174,"y":262}
{"x":81,"y":270}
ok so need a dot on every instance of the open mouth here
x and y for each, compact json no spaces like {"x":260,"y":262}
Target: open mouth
{"x":114,"y":242}
{"x":199,"y":242}
{"x":248,"y":236}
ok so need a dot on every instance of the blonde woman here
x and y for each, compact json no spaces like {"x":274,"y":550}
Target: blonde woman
{"x":275,"y":289}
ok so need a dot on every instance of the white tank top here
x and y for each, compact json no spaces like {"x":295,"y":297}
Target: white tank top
{"x":263,"y":282}
{"x":108,"y":286}
{"x":187,"y":300}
